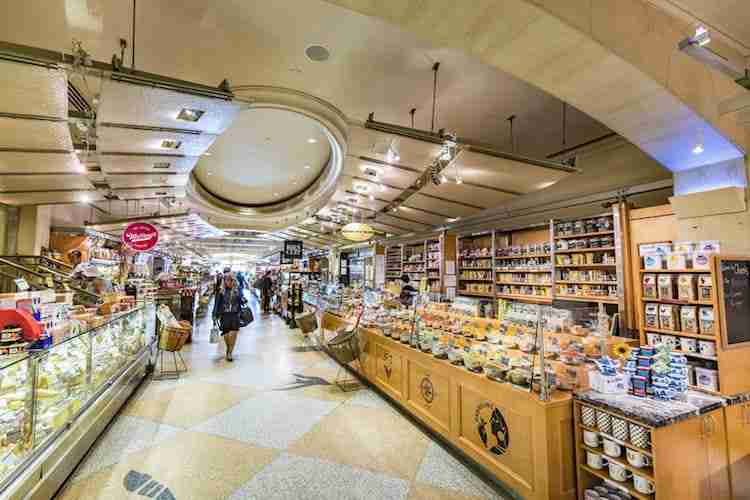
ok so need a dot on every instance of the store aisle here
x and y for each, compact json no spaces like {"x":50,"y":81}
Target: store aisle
{"x":268,"y":426}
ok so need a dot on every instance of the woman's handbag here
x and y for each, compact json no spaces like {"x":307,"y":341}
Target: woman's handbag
{"x":215,"y":334}
{"x":246,"y":316}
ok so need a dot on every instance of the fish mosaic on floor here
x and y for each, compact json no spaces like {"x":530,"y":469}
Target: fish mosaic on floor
{"x":145,"y":486}
{"x":302,"y":381}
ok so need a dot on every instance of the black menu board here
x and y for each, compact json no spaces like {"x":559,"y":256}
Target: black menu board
{"x":734,"y":299}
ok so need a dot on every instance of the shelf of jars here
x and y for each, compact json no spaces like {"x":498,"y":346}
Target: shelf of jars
{"x":475,"y":265}
{"x":393,"y":262}
{"x":43,"y":392}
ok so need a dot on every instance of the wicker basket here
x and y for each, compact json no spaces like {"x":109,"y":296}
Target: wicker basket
{"x":173,"y":338}
{"x":307,"y":322}
{"x":345,"y":347}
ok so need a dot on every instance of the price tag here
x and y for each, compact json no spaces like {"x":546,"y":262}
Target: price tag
{"x":21,"y":284}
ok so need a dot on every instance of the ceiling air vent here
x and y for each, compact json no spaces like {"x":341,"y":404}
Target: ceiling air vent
{"x":161,"y":193}
{"x":162,"y":165}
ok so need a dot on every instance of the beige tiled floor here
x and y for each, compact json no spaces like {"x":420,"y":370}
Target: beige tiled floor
{"x":269,"y":426}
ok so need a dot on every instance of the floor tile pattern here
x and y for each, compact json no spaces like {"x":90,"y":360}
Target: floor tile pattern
{"x":270,"y":426}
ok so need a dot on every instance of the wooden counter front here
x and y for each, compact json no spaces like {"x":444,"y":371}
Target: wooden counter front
{"x":527,"y":444}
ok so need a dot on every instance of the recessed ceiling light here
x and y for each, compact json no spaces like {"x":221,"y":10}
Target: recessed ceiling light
{"x":190,"y":115}
{"x":394,"y":209}
{"x":317,"y":53}
{"x":312,"y":140}
{"x":210,"y":173}
{"x":170,"y":144}
{"x":452,"y":219}
{"x":85,"y":198}
{"x":307,"y":167}
{"x":372,"y":197}
{"x":698,"y":149}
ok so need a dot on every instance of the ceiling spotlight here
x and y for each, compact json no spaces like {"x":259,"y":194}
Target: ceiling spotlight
{"x":698,"y":149}
{"x":394,"y":209}
{"x":85,"y":198}
{"x":210,"y":173}
{"x":170,"y":144}
{"x":702,"y":36}
{"x":459,"y":180}
{"x":307,"y":167}
{"x":312,"y":140}
{"x":372,"y":197}
{"x":190,"y":115}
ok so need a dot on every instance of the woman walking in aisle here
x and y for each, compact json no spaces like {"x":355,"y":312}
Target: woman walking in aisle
{"x":227,"y":311}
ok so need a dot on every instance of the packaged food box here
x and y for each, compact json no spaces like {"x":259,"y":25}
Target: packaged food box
{"x":651,"y":315}
{"x":666,"y":286}
{"x":706,"y":321}
{"x":687,"y":287}
{"x":677,"y":261}
{"x":689,"y":319}
{"x":650,"y":286}
{"x":668,"y":317}
{"x":686,"y":247}
{"x":709,"y":246}
{"x":707,"y":379}
{"x":701,"y":260}
{"x":705,"y":288}
{"x":653,"y":261}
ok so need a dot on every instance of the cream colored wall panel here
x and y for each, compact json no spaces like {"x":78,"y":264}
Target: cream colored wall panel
{"x":36,"y":163}
{"x":26,"y":89}
{"x":113,"y":164}
{"x":420,"y":216}
{"x":122,"y":140}
{"x":34,"y":134}
{"x":402,"y":220}
{"x":156,"y":107}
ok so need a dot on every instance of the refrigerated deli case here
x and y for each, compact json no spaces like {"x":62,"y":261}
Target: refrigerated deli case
{"x":54,"y":403}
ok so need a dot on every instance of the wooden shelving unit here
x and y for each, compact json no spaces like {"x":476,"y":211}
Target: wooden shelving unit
{"x":393,"y":263}
{"x":475,"y":275}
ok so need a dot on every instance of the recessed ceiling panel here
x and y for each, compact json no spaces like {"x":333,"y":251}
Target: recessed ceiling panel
{"x":442,"y":206}
{"x":112,"y":164}
{"x":16,"y":133}
{"x":123,"y":181}
{"x":157,"y":107}
{"x":385,"y":229}
{"x":267,"y":155}
{"x":126,"y":140}
{"x":354,"y":183}
{"x":49,"y":197}
{"x":402,"y":221}
{"x":374,"y":144}
{"x":38,"y":163}
{"x":43,"y":182}
{"x":158,"y":192}
{"x":504,"y":174}
{"x":421,"y":216}
{"x":485,"y":197}
{"x":27,"y":89}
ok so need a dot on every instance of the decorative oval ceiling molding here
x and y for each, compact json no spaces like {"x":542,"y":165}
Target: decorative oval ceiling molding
{"x":297,"y":207}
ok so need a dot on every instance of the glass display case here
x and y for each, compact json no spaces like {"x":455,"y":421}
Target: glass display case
{"x":42,"y":392}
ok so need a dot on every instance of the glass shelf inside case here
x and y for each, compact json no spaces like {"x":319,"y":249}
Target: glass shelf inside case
{"x":16,"y":405}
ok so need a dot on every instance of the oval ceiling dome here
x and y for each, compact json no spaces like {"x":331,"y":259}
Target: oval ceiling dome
{"x":276,"y":164}
{"x":265,"y":157}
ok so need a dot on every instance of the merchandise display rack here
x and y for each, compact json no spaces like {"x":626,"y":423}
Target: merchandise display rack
{"x":476,"y":276}
{"x":393,"y":262}
{"x":415,"y":260}
{"x":537,"y":264}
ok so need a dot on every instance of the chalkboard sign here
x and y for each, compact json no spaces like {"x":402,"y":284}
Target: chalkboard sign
{"x":734,"y":299}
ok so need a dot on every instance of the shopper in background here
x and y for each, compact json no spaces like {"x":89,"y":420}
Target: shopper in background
{"x":227,"y":311}
{"x":218,"y":283}
{"x":407,"y":291}
{"x":265,"y":284}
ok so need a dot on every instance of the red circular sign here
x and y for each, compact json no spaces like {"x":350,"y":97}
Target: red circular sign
{"x":140,"y":236}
